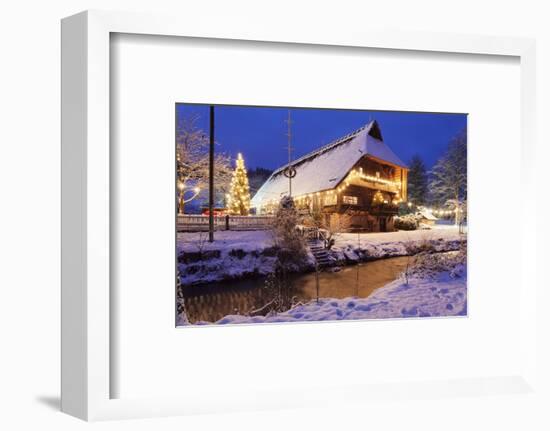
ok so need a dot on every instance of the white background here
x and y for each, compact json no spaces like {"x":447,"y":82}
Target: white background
{"x":153,"y":73}
{"x":29,"y":172}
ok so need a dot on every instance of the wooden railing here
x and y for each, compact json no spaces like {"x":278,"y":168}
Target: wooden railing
{"x":384,"y":209}
{"x":198,"y":223}
{"x":311,"y":232}
{"x":382,"y":186}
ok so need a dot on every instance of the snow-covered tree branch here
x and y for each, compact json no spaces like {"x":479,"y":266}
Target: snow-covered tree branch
{"x":449,"y":176}
{"x":192,"y":155}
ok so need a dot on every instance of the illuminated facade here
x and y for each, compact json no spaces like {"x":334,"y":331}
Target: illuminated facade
{"x":354,"y":183}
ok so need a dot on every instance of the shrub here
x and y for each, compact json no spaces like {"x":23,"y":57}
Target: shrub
{"x":407,"y":222}
{"x":428,"y":265}
{"x":287,"y":239}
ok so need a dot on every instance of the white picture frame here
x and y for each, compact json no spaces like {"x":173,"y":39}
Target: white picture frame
{"x":86,"y":312}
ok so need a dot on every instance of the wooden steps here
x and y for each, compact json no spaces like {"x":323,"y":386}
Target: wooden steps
{"x":319,"y":253}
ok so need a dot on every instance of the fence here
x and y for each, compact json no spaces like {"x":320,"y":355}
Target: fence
{"x":313,"y":233}
{"x":198,"y":223}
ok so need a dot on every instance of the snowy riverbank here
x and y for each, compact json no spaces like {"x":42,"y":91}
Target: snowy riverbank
{"x":350,"y":247}
{"x":233,"y":255}
{"x":428,"y":293}
{"x":240,"y":254}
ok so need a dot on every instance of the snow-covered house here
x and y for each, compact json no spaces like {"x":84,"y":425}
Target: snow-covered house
{"x":355,"y":183}
{"x":425,"y":216}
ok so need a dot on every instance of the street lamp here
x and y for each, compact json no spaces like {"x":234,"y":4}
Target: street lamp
{"x":182,"y":201}
{"x":181,"y":187}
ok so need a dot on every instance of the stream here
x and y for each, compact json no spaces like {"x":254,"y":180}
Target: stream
{"x":211,"y":302}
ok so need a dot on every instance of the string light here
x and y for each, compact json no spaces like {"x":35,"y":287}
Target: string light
{"x":359,"y":174}
{"x":183,"y":189}
{"x":353,"y":175}
{"x":378,"y":198}
{"x":239,"y":193}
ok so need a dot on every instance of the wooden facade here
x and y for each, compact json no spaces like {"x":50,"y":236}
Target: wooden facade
{"x":365,"y":205}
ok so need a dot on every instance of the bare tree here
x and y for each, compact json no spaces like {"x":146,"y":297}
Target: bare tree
{"x":331,"y":227}
{"x":416,"y":252}
{"x":460,"y":209}
{"x":449,"y":175}
{"x":334,"y":228}
{"x":181,"y":314}
{"x":192,"y":154}
{"x":201,"y":242}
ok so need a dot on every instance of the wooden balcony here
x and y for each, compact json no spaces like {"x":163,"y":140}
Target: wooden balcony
{"x":376,"y":185}
{"x":384,"y":209}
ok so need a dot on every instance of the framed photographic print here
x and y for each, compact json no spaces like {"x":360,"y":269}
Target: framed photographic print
{"x":241,"y":204}
{"x":323,"y":220}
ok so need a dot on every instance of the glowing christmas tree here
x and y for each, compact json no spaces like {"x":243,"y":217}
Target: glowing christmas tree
{"x":239,"y":194}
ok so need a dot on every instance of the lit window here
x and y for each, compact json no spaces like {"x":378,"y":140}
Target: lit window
{"x":349,"y":200}
{"x":330,"y":199}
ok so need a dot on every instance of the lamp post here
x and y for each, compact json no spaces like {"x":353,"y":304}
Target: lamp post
{"x":180,"y":204}
{"x":211,"y":179}
{"x":182,"y":201}
{"x":289,"y":171}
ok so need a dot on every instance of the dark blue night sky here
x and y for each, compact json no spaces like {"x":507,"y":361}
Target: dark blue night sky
{"x":259,"y":133}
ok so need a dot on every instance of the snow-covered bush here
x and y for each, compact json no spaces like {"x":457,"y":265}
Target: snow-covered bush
{"x":430,"y":264}
{"x":291,"y":251}
{"x":423,"y":257}
{"x":406,"y":222}
{"x":288,"y":240}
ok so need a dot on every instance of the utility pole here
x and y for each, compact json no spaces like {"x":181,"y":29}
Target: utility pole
{"x":211,"y":179}
{"x":289,"y":172}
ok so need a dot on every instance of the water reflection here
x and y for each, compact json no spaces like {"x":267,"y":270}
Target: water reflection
{"x":211,"y":302}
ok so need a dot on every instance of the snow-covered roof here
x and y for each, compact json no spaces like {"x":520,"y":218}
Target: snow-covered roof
{"x":326,"y":167}
{"x":426,"y":214}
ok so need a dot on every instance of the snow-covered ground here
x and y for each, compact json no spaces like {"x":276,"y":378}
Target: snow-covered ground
{"x":233,"y":255}
{"x":368,"y":246}
{"x":435,"y":286}
{"x":443,"y":294}
{"x":446,"y":232}
{"x":261,"y":239}
{"x":238,"y":254}
{"x":225,"y":240}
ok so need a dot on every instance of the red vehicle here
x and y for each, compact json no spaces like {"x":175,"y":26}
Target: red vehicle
{"x":216,"y":211}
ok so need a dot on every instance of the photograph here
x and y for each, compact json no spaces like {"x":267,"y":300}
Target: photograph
{"x":296,"y":214}
{"x":234,"y":215}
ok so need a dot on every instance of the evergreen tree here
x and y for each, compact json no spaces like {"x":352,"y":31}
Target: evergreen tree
{"x":257,"y":177}
{"x":417,"y":181}
{"x":239,"y":193}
